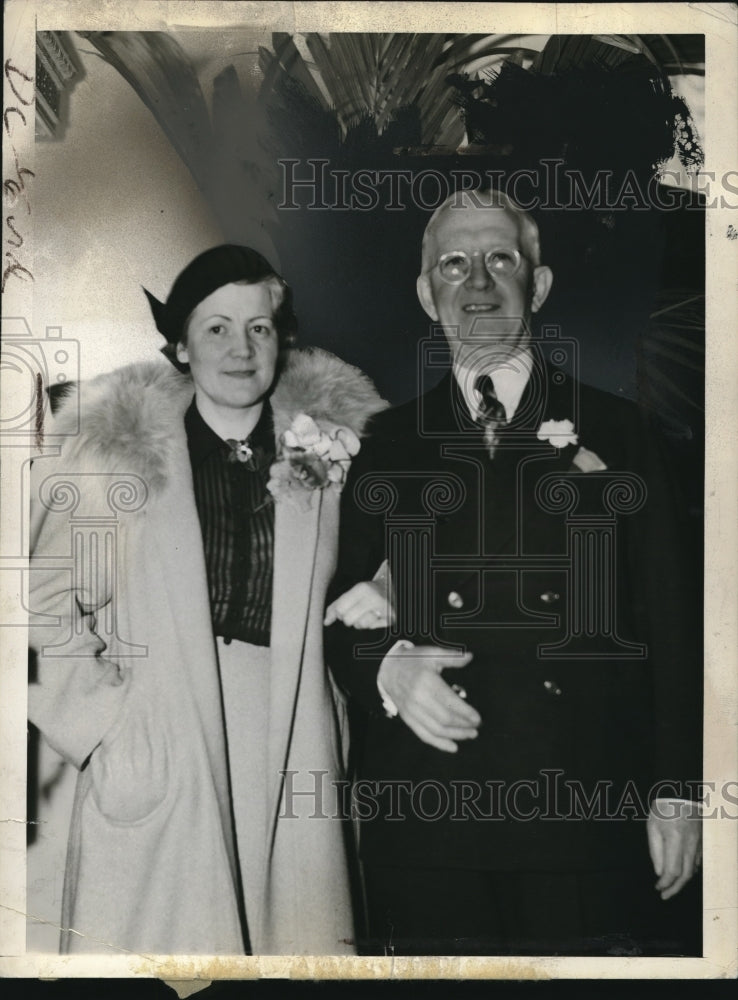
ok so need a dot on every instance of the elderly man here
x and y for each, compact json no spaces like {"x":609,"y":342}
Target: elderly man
{"x":531,"y":722}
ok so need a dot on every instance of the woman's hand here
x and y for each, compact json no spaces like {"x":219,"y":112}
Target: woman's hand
{"x":365,"y":605}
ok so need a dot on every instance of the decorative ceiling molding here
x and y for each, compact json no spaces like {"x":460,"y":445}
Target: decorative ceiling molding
{"x":55,"y":71}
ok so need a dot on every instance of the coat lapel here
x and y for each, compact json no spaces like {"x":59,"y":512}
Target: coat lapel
{"x":295,"y":542}
{"x":189,"y":603}
{"x":305,"y":550}
{"x":304,"y":738}
{"x":499,"y":494}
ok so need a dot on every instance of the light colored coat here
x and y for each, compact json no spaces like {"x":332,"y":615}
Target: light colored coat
{"x":126,"y":682}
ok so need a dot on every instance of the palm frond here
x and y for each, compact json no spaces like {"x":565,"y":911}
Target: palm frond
{"x":160,"y":72}
{"x":655,"y":375}
{"x":660,"y":351}
{"x":380,"y":75}
{"x":672,"y":355}
{"x":287,"y":59}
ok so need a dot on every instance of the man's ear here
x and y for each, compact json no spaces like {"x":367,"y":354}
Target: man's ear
{"x":181,"y":352}
{"x":542,"y":281}
{"x":425,"y":295}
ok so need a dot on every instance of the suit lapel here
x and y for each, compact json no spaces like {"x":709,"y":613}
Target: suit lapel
{"x":457,"y":448}
{"x":443,"y":413}
{"x":499,"y":493}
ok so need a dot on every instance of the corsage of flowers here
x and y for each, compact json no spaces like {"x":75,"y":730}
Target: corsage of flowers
{"x":311,"y":459}
{"x":561,"y":434}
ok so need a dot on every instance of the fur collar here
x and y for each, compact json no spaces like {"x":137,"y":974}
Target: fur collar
{"x":132,"y":419}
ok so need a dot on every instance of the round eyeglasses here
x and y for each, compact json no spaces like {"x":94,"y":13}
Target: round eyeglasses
{"x":456,"y":265}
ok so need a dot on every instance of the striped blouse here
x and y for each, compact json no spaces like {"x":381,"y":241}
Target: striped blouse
{"x":237,"y":521}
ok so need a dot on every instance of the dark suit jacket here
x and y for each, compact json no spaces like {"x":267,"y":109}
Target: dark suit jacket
{"x":582,"y":609}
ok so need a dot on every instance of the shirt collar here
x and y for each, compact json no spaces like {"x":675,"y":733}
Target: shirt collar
{"x":202,"y":440}
{"x":509,"y":380}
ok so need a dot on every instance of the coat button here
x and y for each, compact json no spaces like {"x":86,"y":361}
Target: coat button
{"x":455,"y":600}
{"x":552,"y":687}
{"x":549,"y":597}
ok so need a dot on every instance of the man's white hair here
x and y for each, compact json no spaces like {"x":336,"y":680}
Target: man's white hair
{"x":482,"y":199}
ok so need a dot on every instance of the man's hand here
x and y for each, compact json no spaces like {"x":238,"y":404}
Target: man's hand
{"x":435,"y":713}
{"x":365,"y":605}
{"x":675,"y":843}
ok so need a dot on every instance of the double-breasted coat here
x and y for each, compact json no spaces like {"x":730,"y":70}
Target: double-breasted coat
{"x":571,"y":585}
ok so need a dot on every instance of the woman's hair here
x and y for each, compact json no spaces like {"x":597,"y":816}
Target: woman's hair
{"x":284,"y":318}
{"x":223,"y":265}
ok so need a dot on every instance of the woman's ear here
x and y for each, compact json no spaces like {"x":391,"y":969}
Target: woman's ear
{"x":181,"y":353}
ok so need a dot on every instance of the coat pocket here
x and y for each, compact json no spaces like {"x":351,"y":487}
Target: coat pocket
{"x":130,"y":770}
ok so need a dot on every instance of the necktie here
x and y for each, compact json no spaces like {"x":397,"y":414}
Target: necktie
{"x":492,"y":413}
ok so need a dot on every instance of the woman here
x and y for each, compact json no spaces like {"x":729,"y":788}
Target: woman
{"x":180,"y":667}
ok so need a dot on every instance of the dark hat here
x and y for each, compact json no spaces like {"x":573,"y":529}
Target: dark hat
{"x":208,"y":272}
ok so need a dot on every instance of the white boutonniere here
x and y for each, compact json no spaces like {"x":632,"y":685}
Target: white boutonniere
{"x":311,"y":458}
{"x":561,"y":434}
